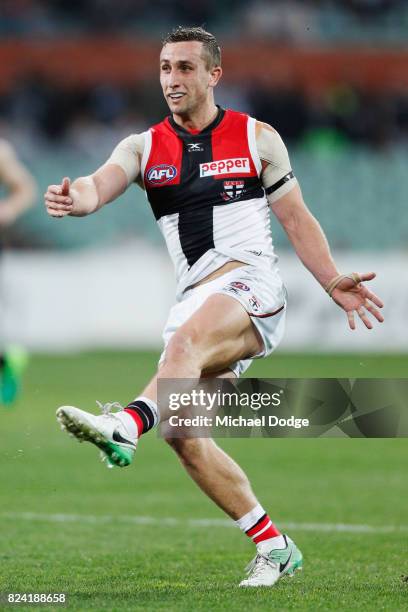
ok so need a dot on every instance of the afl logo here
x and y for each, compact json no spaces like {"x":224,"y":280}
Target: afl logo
{"x":239,"y":285}
{"x":163,"y":173}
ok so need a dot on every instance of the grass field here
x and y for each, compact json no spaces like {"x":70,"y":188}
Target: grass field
{"x":67,"y":524}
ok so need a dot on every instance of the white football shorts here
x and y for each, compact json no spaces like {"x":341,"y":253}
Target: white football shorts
{"x":259,"y":290}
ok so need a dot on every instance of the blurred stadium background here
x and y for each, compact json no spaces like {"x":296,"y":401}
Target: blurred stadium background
{"x":76,"y":77}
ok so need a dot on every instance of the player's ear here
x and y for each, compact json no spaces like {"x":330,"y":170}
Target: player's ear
{"x":215,"y":75}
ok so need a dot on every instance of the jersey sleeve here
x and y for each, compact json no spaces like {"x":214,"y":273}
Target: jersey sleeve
{"x":128,"y":154}
{"x":277,"y":175}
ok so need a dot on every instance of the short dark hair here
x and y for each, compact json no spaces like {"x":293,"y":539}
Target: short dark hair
{"x":210,"y":45}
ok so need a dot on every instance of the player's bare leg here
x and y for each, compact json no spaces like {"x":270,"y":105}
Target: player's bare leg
{"x":189,"y":355}
{"x":216,"y":335}
{"x":219,"y":333}
{"x":216,"y":473}
{"x":229,"y":336}
{"x":219,"y":476}
{"x":224,"y":481}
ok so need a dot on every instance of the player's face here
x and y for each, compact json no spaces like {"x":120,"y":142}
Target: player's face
{"x":184,"y":76}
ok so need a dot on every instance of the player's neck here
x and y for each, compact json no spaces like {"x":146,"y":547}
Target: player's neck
{"x":199,"y":120}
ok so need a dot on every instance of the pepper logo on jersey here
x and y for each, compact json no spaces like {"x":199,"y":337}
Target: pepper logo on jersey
{"x":232,"y":189}
{"x":160,"y":174}
{"x":238,"y":165}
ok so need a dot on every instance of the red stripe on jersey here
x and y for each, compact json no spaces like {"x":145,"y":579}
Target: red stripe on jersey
{"x":230,"y":141}
{"x":164,"y":164}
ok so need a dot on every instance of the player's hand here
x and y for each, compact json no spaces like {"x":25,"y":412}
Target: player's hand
{"x":356,"y":298}
{"x":59,"y":200}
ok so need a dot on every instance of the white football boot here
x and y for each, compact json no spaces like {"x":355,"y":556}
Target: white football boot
{"x":106,"y":431}
{"x":268,"y":567}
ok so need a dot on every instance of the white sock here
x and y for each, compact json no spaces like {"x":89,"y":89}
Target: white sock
{"x":250,"y":518}
{"x":144,"y":413}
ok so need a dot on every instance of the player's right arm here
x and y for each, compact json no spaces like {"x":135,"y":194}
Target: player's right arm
{"x":88,"y":194}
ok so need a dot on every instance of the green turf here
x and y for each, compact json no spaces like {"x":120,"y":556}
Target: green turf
{"x":116,"y":565}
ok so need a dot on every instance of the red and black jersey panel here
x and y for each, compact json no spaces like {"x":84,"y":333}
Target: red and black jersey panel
{"x":188,"y":174}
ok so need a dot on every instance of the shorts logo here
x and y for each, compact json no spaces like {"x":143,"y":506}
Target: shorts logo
{"x":160,"y":174}
{"x":253,"y":302}
{"x":231,"y":289}
{"x":238,"y":165}
{"x":232,"y":189}
{"x":239,"y":285}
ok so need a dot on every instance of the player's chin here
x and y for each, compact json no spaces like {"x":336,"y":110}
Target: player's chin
{"x":177,"y":106}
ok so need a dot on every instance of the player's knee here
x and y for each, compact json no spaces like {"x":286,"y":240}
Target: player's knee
{"x":191,"y":451}
{"x":183,"y":346}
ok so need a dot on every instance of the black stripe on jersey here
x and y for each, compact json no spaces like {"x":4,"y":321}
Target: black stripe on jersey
{"x":196,"y":223}
{"x":276,"y":186}
{"x":196,"y":233}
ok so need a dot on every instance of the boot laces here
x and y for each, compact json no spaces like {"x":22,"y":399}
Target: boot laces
{"x":106,"y":408}
{"x":255,"y":568}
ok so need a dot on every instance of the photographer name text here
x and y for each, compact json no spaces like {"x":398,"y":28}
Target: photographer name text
{"x":238,"y":421}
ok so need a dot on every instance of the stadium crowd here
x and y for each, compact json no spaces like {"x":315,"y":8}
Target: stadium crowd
{"x":46,"y":112}
{"x":273,"y":19}
{"x":43,"y":110}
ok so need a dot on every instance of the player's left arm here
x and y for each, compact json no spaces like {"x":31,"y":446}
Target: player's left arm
{"x":20,"y":185}
{"x":306,"y":235}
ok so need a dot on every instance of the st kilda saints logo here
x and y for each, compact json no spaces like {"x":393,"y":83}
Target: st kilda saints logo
{"x":232,"y":190}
